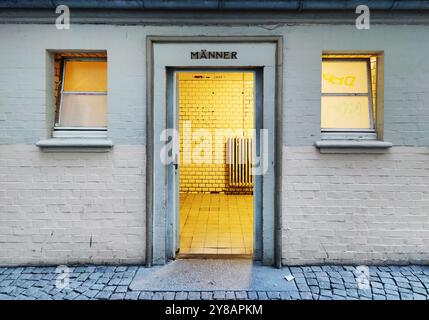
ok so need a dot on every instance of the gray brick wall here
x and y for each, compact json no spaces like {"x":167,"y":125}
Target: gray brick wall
{"x":71,"y":207}
{"x":337,"y":208}
{"x":25,"y":114}
{"x":356,"y":208}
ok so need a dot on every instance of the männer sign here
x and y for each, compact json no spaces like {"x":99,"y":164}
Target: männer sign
{"x":204,"y":54}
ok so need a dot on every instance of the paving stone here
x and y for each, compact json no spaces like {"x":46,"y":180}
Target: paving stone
{"x":109,"y":288}
{"x":81,"y":289}
{"x":339,"y":292}
{"x":387,"y":281}
{"x":125,"y":281}
{"x":146,"y":295}
{"x":121,"y":269}
{"x":117,"y":296}
{"x":194,"y":295}
{"x":303,"y":287}
{"x":417,"y":296}
{"x":103,"y":295}
{"x":338,"y":286}
{"x":352,"y":293}
{"x":375,"y":284}
{"x":252,"y":295}
{"x":309,"y":275}
{"x":404,"y":285}
{"x":315,"y":289}
{"x":168,"y":295}
{"x":273,"y":295}
{"x":132,"y":295}
{"x":415,"y":284}
{"x":324,"y":285}
{"x":181,"y":295}
{"x":7,"y":290}
{"x":327,"y":293}
{"x":88,"y":283}
{"x":295,"y":295}
{"x":378,"y":291}
{"x":158,"y":296}
{"x":103,"y":280}
{"x":122,"y":289}
{"x":219,"y":295}
{"x":97,"y":286}
{"x":230,"y":295}
{"x":306,"y":296}
{"x":242,"y":295}
{"x":207,"y":295}
{"x":262,"y":295}
{"x":406,"y":296}
{"x":392,"y":292}
{"x":90,"y":293}
{"x":114,"y":281}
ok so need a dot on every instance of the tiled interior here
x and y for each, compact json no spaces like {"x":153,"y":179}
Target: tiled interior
{"x":216,"y":224}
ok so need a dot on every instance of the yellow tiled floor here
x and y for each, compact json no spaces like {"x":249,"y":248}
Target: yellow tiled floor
{"x":216,"y":223}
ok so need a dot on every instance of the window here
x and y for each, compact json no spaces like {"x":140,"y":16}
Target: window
{"x":348,"y":102}
{"x":82,"y":92}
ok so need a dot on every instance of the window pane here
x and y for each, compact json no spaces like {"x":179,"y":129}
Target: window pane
{"x":349,"y":112}
{"x":344,"y":77}
{"x":86,"y":76}
{"x":80,"y":110}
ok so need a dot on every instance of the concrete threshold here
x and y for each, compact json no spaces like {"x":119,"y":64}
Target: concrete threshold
{"x":211,"y":275}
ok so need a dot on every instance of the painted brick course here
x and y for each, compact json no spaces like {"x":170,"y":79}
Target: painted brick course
{"x":71,"y":207}
{"x":356,"y":208}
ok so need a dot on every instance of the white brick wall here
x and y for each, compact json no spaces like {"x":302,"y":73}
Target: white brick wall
{"x":356,"y":208}
{"x":72,"y":207}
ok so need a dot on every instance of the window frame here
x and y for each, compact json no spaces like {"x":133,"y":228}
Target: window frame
{"x":353,"y":133}
{"x":62,"y":131}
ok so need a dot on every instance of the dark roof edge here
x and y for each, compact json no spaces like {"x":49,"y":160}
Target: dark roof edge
{"x":286,"y":5}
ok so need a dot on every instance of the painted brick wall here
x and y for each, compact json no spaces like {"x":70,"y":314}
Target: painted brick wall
{"x":213,"y":101}
{"x":319,"y":188}
{"x":356,"y":208}
{"x":71,"y":207}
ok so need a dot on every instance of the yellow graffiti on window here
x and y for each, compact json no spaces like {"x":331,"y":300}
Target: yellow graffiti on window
{"x":344,"y":77}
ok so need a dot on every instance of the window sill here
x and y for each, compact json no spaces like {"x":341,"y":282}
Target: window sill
{"x":75,"y":145}
{"x":352,"y":146}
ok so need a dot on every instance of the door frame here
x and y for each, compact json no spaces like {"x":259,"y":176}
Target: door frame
{"x":173,"y":172}
{"x":156,"y":189}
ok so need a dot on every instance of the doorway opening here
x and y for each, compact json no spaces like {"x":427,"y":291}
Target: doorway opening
{"x":216,"y":122}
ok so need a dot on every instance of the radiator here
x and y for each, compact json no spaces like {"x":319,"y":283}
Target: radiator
{"x":239,"y":151}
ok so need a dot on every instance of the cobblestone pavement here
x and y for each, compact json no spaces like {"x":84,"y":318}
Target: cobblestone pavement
{"x":317,"y":282}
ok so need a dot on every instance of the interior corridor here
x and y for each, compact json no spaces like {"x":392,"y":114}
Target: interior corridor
{"x":216,"y":224}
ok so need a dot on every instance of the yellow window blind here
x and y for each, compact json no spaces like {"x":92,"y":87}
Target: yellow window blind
{"x":85,"y":76}
{"x":345,"y":112}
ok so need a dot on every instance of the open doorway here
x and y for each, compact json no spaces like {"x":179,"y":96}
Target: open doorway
{"x":216,"y":121}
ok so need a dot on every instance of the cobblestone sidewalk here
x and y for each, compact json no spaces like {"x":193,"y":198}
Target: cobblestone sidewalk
{"x":113,"y":282}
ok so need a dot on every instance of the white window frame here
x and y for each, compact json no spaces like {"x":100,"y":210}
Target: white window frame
{"x":353,"y":133}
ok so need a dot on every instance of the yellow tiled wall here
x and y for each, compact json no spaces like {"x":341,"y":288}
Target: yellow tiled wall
{"x":210,"y":101}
